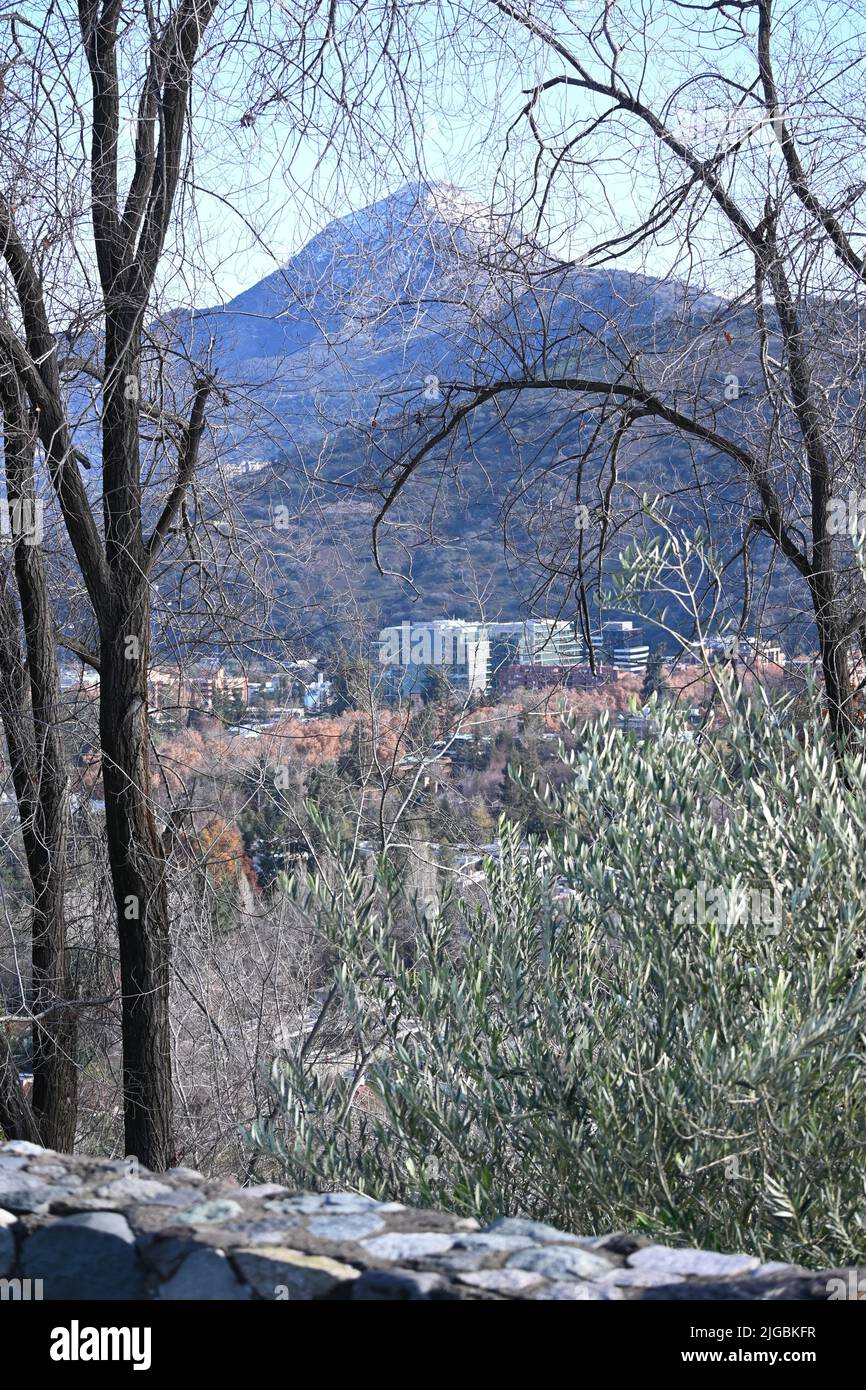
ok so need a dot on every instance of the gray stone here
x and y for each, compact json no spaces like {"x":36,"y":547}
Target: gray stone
{"x":166,"y":1253}
{"x":349,"y":1200}
{"x":778,"y":1267}
{"x":299,"y":1204}
{"x":205,"y":1274}
{"x":91,"y":1256}
{"x":185,"y":1174}
{"x":210,"y":1213}
{"x":134,"y":1189}
{"x":481,"y":1240}
{"x":355,"y":1201}
{"x":22,"y":1192}
{"x":640,"y":1278}
{"x":22,"y":1147}
{"x":352,"y":1226}
{"x":381,"y":1285}
{"x":266,"y":1189}
{"x":561,"y":1262}
{"x":532,"y":1230}
{"x":408,"y":1245}
{"x":458,"y":1261}
{"x":504,"y":1281}
{"x":7,"y":1244}
{"x":619,"y":1243}
{"x":51,"y":1172}
{"x":811,"y":1289}
{"x":71,"y":1206}
{"x":9,"y":1163}
{"x":261,"y":1232}
{"x":706,"y":1264}
{"x":279,"y":1273}
{"x":579,"y":1292}
{"x":175,"y":1197}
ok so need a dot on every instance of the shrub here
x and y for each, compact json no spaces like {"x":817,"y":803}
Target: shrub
{"x":654,"y":1022}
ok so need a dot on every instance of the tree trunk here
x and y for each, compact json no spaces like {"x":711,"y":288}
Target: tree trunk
{"x":833,"y":646}
{"x":141,"y":900}
{"x":31,"y":716}
{"x":16,"y":1116}
{"x":42,"y":811}
{"x":135,"y":849}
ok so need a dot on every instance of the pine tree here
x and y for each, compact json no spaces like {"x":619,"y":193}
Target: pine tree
{"x":654,"y":682}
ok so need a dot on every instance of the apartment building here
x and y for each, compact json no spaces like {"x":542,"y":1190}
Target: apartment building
{"x":517,"y":677}
{"x":203,"y":686}
{"x":733,"y":648}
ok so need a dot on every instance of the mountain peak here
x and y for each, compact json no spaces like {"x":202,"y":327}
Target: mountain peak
{"x":420,"y":208}
{"x":446,"y":200}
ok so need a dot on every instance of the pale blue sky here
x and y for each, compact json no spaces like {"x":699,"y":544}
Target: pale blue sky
{"x":282,"y":191}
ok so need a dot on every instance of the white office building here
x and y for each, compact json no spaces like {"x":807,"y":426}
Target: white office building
{"x":460,"y":649}
{"x":538,"y":642}
{"x":470,"y":654}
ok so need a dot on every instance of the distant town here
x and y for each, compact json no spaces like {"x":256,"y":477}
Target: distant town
{"x":419,"y":660}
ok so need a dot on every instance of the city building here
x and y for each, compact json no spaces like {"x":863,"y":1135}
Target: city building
{"x":475,"y":656}
{"x":757,"y":649}
{"x":163,"y":688}
{"x":300,"y":684}
{"x":535,"y":642}
{"x":624,"y":645}
{"x":78,"y":677}
{"x":212,"y":686}
{"x":408,"y":652}
{"x":242,"y":468}
{"x":803,"y":669}
{"x":204,"y":686}
{"x":733,"y":648}
{"x":317,"y":694}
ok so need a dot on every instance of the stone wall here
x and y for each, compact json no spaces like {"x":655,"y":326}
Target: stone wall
{"x":92,"y":1228}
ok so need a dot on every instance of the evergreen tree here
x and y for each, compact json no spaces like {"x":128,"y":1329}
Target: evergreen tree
{"x":423,"y":727}
{"x":516,"y":796}
{"x":435,"y":688}
{"x":354,"y":764}
{"x":654,"y":682}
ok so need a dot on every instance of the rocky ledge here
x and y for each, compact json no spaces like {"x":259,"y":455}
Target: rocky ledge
{"x":88,"y":1228}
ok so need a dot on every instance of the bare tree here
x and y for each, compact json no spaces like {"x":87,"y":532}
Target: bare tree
{"x":104,"y":122}
{"x":129,"y":234}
